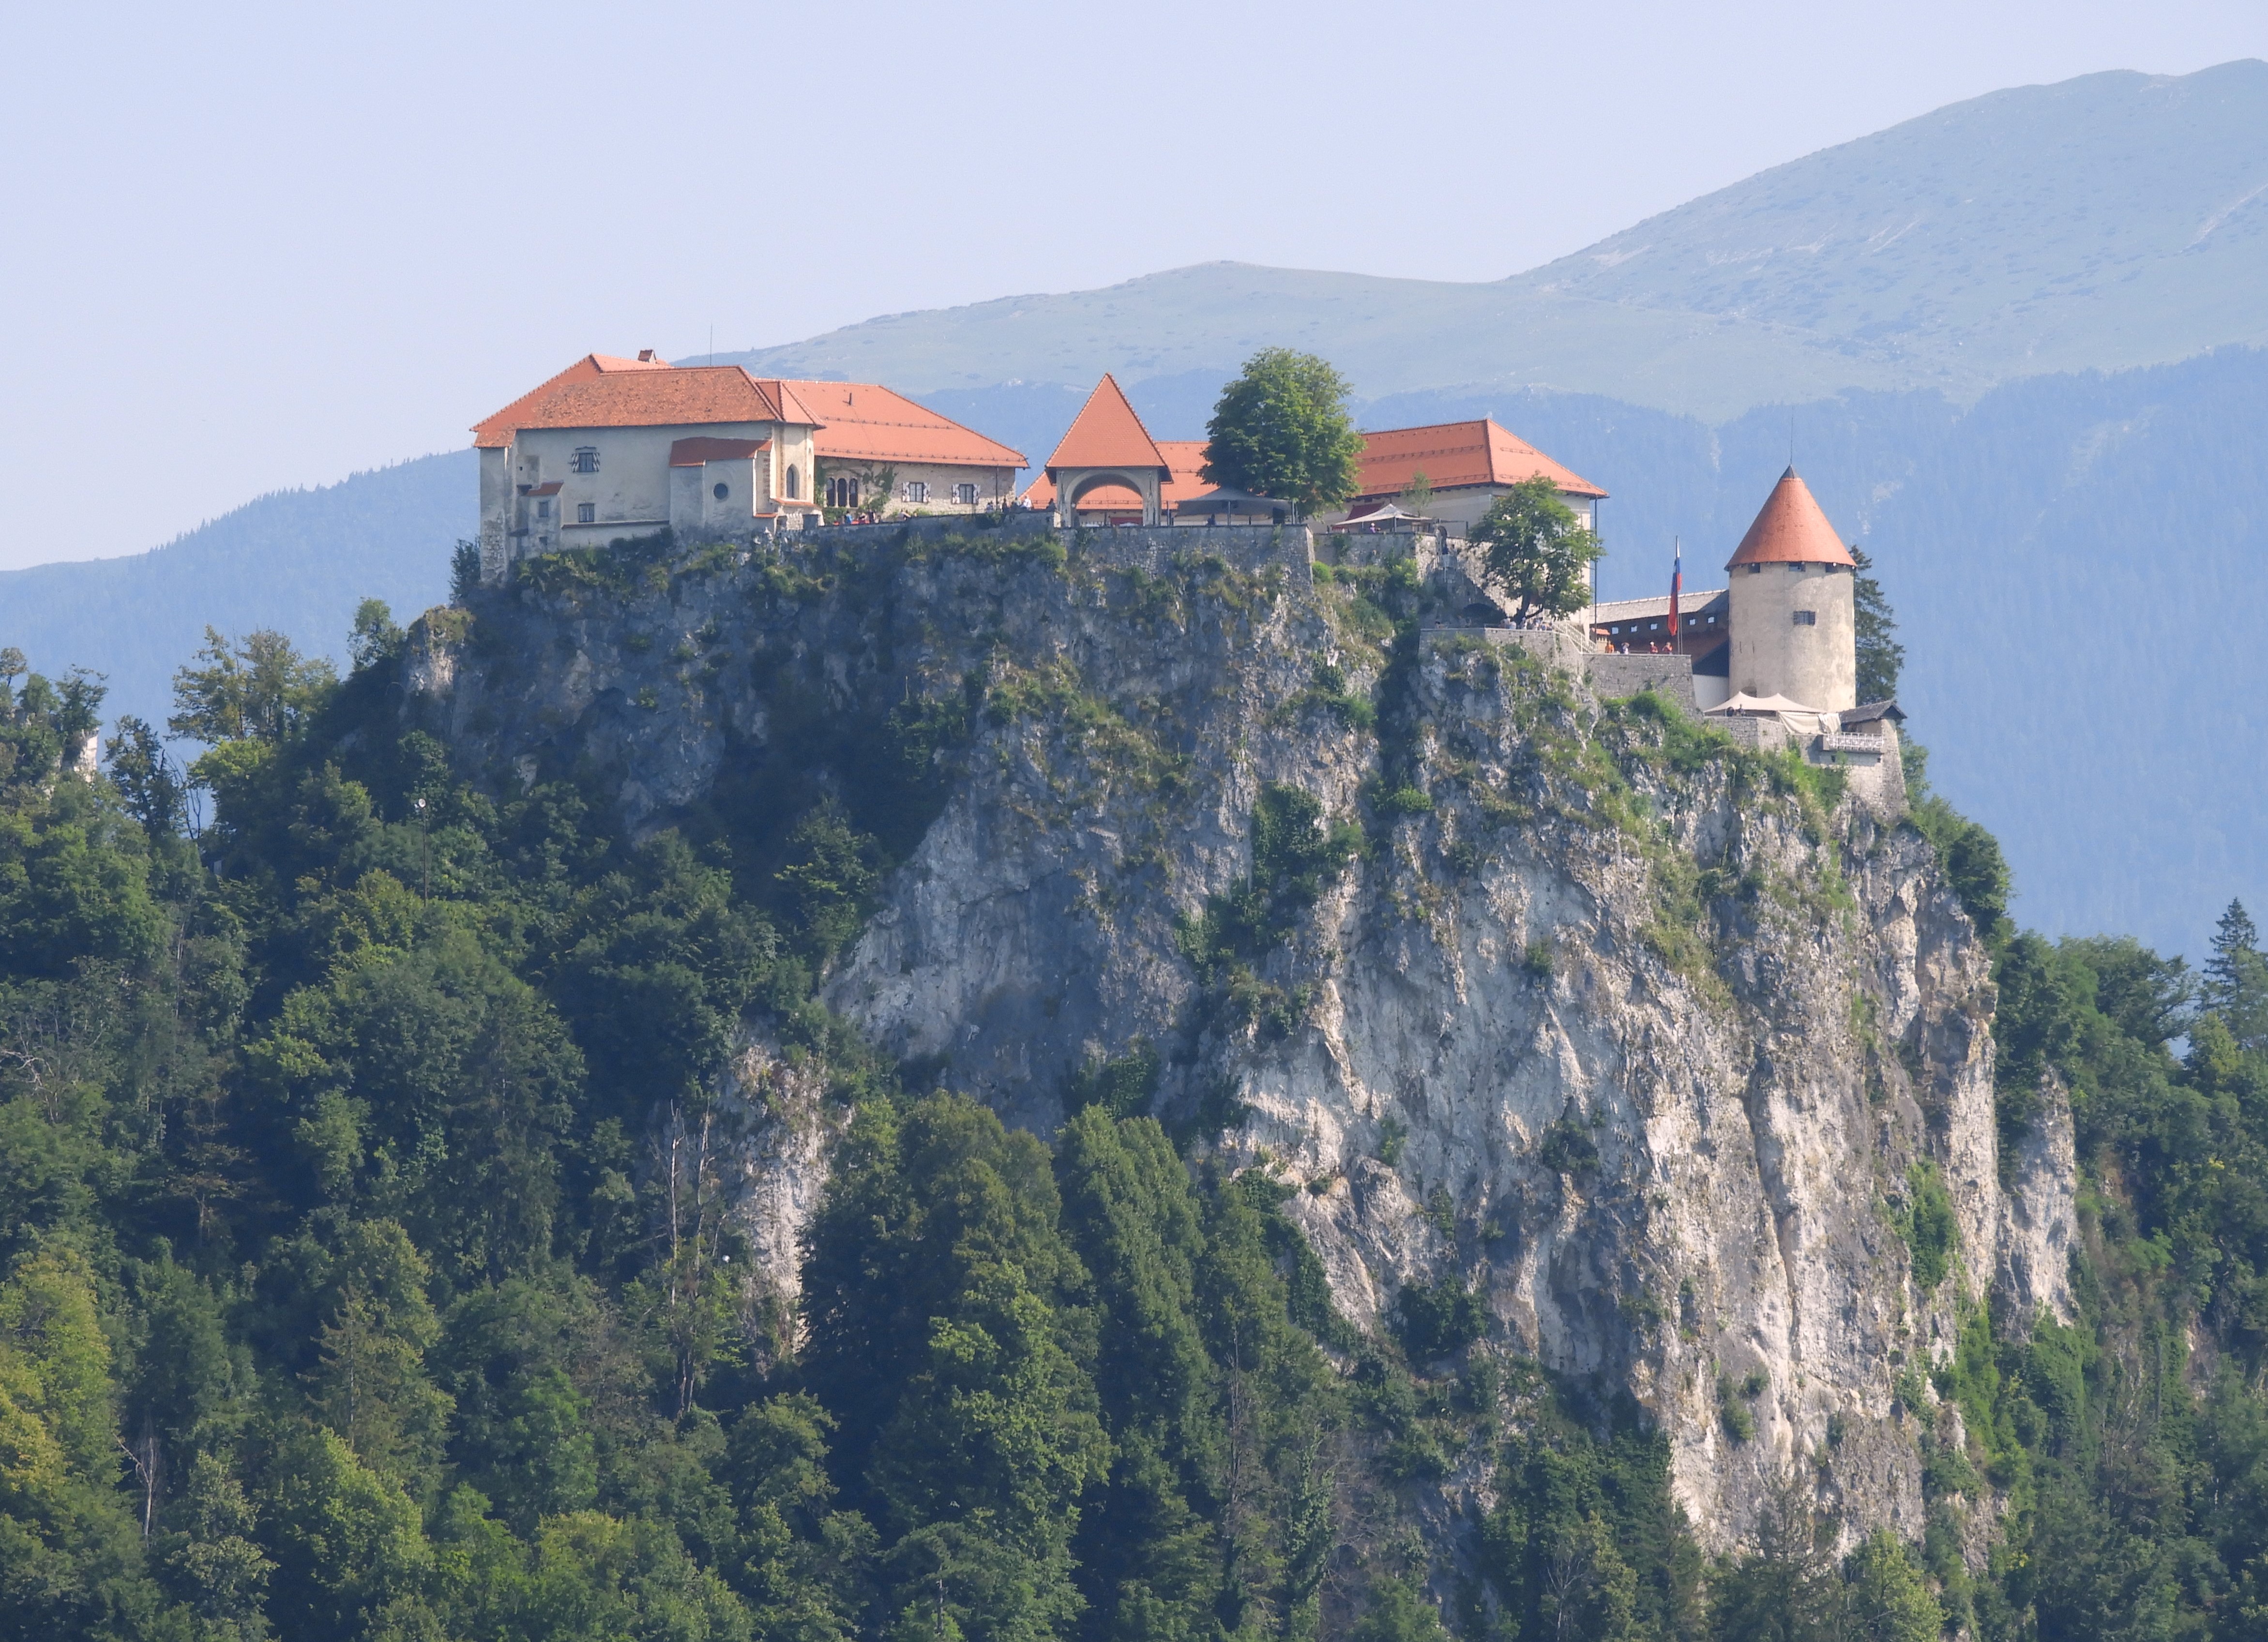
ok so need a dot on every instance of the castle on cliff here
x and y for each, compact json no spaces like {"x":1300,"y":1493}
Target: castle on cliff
{"x":612,"y":447}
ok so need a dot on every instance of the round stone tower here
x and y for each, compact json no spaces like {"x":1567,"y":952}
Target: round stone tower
{"x":1793,"y":614}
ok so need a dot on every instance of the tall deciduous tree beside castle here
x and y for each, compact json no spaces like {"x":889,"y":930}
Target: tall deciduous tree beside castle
{"x":1281,"y":430}
{"x":1536,"y":552}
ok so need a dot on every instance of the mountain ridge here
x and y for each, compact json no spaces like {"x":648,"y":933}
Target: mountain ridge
{"x":2181,"y":150}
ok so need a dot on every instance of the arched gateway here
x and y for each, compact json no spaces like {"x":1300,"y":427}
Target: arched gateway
{"x":1109,"y":446}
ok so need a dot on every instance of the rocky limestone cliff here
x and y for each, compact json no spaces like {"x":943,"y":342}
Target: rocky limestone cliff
{"x":1663,"y":1045}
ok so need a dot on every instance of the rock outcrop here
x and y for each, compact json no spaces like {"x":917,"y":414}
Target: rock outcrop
{"x":1667,"y":1047}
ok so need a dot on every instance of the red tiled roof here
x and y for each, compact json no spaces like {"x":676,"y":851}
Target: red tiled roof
{"x":693,"y":453}
{"x":1451,"y":453}
{"x":1107,"y":433}
{"x":681,"y":396}
{"x":1792,"y":529}
{"x":495,"y":431}
{"x":1183,"y":458}
{"x":862,"y":422}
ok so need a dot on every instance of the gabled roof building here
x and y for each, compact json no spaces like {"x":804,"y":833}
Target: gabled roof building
{"x":612,"y":447}
{"x":1467,"y":466}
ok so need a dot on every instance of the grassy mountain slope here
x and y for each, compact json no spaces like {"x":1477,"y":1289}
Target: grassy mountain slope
{"x":2118,"y":219}
{"x":2114,"y":220}
{"x":1389,"y":336}
{"x":294,"y":560}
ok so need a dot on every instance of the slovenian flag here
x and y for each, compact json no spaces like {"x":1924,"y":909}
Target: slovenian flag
{"x":1676,"y":587}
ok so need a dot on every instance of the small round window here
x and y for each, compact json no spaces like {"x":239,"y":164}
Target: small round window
{"x":722,"y":490}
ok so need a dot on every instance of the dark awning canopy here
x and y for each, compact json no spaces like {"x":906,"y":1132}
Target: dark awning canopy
{"x":1228,"y":499}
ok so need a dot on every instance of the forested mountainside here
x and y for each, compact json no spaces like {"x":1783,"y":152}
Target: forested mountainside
{"x":297,"y":561}
{"x":1481,"y":1159}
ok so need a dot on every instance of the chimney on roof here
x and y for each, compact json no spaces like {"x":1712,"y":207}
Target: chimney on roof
{"x":645,"y":355}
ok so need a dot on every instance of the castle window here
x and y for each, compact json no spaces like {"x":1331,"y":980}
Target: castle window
{"x":794,"y":483}
{"x":842,"y":493}
{"x":722,"y":490}
{"x":965,"y":493}
{"x":543,"y":508}
{"x":1755,"y":570}
{"x":917,"y":490}
{"x":587,"y":458}
{"x":586,"y":513}
{"x":1806,"y":618}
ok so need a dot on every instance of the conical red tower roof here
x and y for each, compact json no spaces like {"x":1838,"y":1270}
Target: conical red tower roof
{"x":1791,"y":530}
{"x":1107,"y":433}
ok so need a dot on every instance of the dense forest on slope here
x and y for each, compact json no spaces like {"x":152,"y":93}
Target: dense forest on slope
{"x":361,"y":1273}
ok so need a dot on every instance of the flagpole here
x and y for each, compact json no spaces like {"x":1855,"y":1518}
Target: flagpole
{"x":1676,"y":586}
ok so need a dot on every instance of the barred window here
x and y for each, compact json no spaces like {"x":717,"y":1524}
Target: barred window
{"x":1806,"y":618}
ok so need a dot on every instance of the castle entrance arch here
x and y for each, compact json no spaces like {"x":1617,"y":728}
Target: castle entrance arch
{"x":1147,"y":482}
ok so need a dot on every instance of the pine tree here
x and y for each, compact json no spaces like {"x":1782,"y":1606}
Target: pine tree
{"x":1881,"y":657}
{"x":2236,"y":978}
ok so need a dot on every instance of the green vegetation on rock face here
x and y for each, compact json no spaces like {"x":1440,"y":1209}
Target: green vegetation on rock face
{"x":367,"y":1266}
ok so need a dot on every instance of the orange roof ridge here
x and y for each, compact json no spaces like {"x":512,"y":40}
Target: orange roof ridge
{"x":497,"y":431}
{"x":1790,"y":528}
{"x":1453,"y":453}
{"x":1108,"y":433}
{"x":866,"y":422}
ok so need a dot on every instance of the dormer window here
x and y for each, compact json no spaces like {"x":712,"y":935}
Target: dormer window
{"x":587,"y":458}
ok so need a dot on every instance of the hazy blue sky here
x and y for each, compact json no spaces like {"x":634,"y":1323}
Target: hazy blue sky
{"x":249,"y":247}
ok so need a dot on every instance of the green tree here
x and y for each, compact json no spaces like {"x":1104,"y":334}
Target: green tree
{"x":1536,"y":552}
{"x":349,"y":1553}
{"x":1150,"y":1557}
{"x":933,"y":1299}
{"x":147,"y":778}
{"x":369,"y":1385}
{"x":213,"y":1558}
{"x":375,"y":636}
{"x":1885,"y":1596}
{"x":1881,"y":657}
{"x":1281,"y":430}
{"x":259,"y":689}
{"x":2235,"y":979}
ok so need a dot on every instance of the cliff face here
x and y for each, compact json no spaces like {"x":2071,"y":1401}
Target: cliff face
{"x":1671,"y":1050}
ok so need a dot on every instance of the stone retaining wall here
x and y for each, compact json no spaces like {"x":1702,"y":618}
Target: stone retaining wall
{"x":1627,"y":675}
{"x":1155,"y":549}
